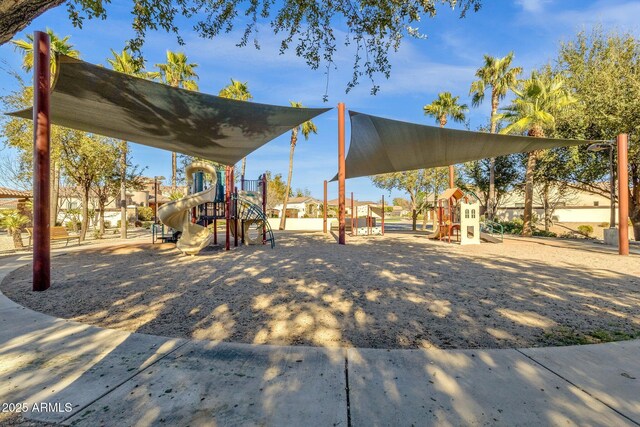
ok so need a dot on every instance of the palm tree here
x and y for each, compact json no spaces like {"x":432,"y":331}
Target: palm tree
{"x":441,"y":109}
{"x":306,"y":128}
{"x":57,"y":45}
{"x":124,"y":63}
{"x":240,"y":92}
{"x":177,"y":72}
{"x":538,"y":99}
{"x":13,"y":221}
{"x":497,"y":74}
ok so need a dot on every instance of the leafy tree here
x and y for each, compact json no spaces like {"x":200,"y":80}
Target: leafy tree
{"x":124,"y":63}
{"x":276,"y":189}
{"x":84,"y":162}
{"x":240,"y":92}
{"x":177,"y":72}
{"x":19,"y":129}
{"x":14,"y":221}
{"x":603,"y":69}
{"x":476,"y":178}
{"x":309,"y":28}
{"x":302,"y":192}
{"x":412,"y":182}
{"x":443,"y":108}
{"x":307,"y":128}
{"x":538,"y":100}
{"x":497,"y":74}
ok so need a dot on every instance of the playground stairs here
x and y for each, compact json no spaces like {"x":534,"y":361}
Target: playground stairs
{"x":248,"y":211}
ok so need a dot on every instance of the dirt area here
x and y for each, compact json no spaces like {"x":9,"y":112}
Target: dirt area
{"x":394,"y":291}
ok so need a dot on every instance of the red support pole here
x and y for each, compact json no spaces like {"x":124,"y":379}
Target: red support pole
{"x":235,"y":216}
{"x":382,"y":225}
{"x":623,"y":195}
{"x":341,"y":177}
{"x":41,"y":165}
{"x":227,"y":208}
{"x":264,"y":207}
{"x":324,"y":209}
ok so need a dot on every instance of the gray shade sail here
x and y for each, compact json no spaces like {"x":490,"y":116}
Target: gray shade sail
{"x":381,"y":145}
{"x":105,"y":102}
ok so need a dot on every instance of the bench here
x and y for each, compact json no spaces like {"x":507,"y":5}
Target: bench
{"x":57,"y":233}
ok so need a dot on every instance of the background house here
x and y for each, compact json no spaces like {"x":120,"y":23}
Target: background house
{"x":300,"y":207}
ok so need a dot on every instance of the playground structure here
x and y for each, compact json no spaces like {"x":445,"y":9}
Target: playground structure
{"x":458,"y":215}
{"x":194,"y":218}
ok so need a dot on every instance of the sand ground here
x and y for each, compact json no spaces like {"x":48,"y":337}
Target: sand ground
{"x":396,"y":291}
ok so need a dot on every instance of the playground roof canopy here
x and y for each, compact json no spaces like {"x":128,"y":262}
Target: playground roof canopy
{"x":381,"y":145}
{"x":95,"y":99}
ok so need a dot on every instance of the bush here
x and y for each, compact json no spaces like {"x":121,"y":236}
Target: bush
{"x":147,"y":224}
{"x":138,"y":224}
{"x":145,"y":213}
{"x":603,"y":225}
{"x":107,"y":224}
{"x":71,"y":226}
{"x":585,"y":230}
{"x":512,"y":227}
{"x":97,"y":234}
{"x":544,"y":233}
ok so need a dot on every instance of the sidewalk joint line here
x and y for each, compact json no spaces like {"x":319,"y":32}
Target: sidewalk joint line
{"x":346,"y":377}
{"x":578,"y":387}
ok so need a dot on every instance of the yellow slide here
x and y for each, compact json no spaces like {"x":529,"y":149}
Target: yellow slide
{"x":175,"y":214}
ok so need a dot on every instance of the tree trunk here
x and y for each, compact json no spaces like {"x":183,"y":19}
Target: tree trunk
{"x":123,"y":189}
{"x":424,"y":219}
{"x":85,"y":214}
{"x":244,"y":167}
{"x":17,"y":14}
{"x":101,"y":218}
{"x":283,"y":217}
{"x":491,"y":203}
{"x":17,"y":238}
{"x":547,"y":208}
{"x":174,"y":171}
{"x":452,"y":176}
{"x":527,"y":229}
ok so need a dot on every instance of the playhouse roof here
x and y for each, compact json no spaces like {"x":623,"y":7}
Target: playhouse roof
{"x":102,"y":101}
{"x":380,"y":145}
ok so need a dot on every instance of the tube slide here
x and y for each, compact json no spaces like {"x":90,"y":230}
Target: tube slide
{"x":175,"y":214}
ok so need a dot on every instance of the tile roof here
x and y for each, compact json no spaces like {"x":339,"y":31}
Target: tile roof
{"x":8,"y":193}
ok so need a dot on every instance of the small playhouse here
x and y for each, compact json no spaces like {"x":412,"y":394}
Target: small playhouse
{"x":458,"y":216}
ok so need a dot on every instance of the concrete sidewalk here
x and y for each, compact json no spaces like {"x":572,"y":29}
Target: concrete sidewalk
{"x":85,"y":375}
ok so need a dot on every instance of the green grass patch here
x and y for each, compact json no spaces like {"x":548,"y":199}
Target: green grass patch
{"x":566,"y":336}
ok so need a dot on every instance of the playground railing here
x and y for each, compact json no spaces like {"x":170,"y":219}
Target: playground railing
{"x":492,"y":228}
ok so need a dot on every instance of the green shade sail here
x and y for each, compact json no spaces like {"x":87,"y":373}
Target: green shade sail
{"x":95,"y":99}
{"x":381,"y":145}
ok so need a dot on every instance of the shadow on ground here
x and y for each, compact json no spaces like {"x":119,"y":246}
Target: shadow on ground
{"x":391,"y":292}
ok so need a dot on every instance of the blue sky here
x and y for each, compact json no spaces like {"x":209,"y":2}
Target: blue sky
{"x":445,"y":61}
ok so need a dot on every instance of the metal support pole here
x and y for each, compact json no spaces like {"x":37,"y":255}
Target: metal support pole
{"x":227,"y":207}
{"x":41,"y":163}
{"x":264,"y":207}
{"x":341,"y":177}
{"x":324,"y":209}
{"x":623,"y":195}
{"x":235,"y":216}
{"x":215,"y":227}
{"x":612,"y":184}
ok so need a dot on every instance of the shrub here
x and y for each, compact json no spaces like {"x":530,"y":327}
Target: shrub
{"x":544,"y":233}
{"x":147,"y":224}
{"x":585,"y":230}
{"x":119,"y":223}
{"x":603,"y":225}
{"x":512,"y":227}
{"x":145,"y":213}
{"x":138,"y":224}
{"x":107,"y":224}
{"x":97,"y":234}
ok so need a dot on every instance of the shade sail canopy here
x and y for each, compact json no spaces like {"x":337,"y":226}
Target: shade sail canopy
{"x":381,"y":145}
{"x":102,"y":101}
